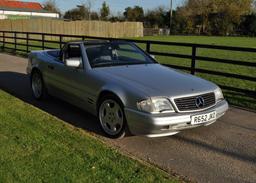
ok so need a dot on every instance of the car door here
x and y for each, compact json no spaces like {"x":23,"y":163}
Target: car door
{"x":70,"y":82}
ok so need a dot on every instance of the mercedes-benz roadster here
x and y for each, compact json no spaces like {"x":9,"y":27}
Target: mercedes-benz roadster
{"x":125,"y":88}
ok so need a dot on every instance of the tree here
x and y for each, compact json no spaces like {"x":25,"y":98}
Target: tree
{"x":232,"y":11}
{"x":104,"y":11}
{"x":186,"y":22}
{"x":114,"y":19}
{"x":127,"y":12}
{"x":134,"y":14}
{"x":180,"y":25}
{"x":88,"y":4}
{"x":248,"y":25}
{"x":117,"y":18}
{"x":51,"y":6}
{"x":220,"y":16}
{"x":79,"y":13}
{"x":94,"y":15}
{"x":156,"y":18}
{"x":198,"y":11}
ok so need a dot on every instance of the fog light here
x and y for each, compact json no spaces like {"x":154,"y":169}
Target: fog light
{"x":165,"y":128}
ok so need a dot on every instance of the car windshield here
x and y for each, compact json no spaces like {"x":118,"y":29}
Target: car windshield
{"x":116,"y":53}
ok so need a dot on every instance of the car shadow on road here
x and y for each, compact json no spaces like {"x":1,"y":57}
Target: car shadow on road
{"x":241,"y":126}
{"x":210,"y":147}
{"x":18,"y":85}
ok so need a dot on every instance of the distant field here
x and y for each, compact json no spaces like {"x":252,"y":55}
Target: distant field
{"x":226,"y":41}
{"x":235,"y":98}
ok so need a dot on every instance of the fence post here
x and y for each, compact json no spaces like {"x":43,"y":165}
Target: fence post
{"x":43,"y":38}
{"x":148,"y":47}
{"x":27,"y":38}
{"x":83,"y":38}
{"x":193,"y":62}
{"x":3,"y":40}
{"x":15,"y":41}
{"x":61,"y":38}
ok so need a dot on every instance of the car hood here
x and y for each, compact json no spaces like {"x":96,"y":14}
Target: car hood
{"x":158,"y":80}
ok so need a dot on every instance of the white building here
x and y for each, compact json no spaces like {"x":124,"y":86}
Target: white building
{"x":23,"y":10}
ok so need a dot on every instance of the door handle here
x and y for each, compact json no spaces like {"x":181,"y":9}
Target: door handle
{"x":50,"y":67}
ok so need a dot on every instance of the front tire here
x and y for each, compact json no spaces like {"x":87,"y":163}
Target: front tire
{"x":37,"y":85}
{"x":111,"y":117}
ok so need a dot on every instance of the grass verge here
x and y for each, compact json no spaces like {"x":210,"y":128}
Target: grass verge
{"x":37,"y":147}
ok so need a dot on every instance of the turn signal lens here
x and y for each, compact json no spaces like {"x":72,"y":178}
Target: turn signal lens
{"x":155,"y":105}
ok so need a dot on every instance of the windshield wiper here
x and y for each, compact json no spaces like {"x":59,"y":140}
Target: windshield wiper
{"x":103,"y":64}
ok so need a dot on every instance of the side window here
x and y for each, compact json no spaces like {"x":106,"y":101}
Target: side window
{"x":73,"y":51}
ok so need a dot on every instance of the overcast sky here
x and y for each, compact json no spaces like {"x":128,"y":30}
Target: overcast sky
{"x":115,"y":5}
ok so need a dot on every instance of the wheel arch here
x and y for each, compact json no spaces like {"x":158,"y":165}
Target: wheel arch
{"x":106,"y":92}
{"x":127,"y":95}
{"x":114,"y":94}
{"x":35,"y":69}
{"x":44,"y":89}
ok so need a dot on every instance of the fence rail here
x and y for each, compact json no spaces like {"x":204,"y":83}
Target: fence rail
{"x":5,"y":37}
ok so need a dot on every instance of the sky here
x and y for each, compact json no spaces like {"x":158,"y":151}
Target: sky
{"x":115,"y":5}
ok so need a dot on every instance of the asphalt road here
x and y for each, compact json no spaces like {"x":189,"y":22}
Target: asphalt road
{"x":222,"y":152}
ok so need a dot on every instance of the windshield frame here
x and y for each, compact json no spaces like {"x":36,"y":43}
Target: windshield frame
{"x":149,"y":59}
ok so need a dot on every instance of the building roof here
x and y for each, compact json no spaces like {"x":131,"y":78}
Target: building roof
{"x":28,"y":6}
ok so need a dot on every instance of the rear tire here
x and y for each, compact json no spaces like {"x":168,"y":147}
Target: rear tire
{"x":37,"y":85}
{"x":111,"y":117}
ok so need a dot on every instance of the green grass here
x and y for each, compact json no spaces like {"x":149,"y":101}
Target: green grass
{"x":215,"y":40}
{"x":37,"y":147}
{"x":234,"y":97}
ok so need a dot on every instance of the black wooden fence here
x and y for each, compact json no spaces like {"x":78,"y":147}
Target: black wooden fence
{"x":6,"y":36}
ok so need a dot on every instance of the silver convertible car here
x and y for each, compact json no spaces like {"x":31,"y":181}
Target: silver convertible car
{"x":125,"y":88}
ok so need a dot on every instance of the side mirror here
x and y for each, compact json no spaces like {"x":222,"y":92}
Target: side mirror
{"x":153,"y":56}
{"x":73,"y":62}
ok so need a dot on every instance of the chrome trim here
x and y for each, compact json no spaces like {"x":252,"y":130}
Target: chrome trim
{"x":199,"y":110}
{"x":161,"y":135}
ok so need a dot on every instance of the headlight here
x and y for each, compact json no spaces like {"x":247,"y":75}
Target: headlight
{"x":155,"y":105}
{"x":218,"y":94}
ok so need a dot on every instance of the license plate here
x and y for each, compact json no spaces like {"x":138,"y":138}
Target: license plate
{"x":203,"y":118}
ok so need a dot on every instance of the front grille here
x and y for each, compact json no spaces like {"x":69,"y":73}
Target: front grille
{"x":190,"y":103}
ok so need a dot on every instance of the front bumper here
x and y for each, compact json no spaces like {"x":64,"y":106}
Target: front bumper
{"x":159,"y":125}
